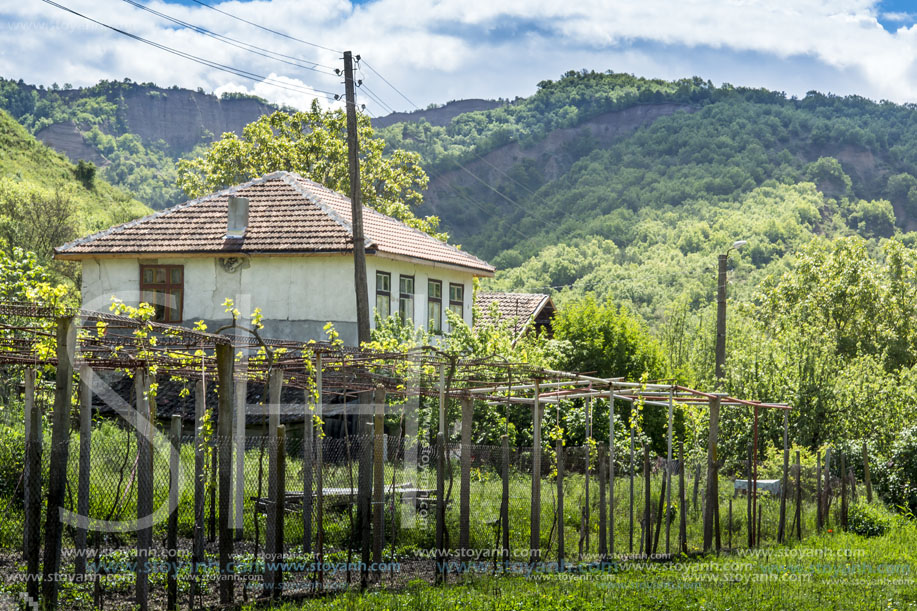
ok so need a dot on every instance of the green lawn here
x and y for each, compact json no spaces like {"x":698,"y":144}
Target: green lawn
{"x":831,"y":571}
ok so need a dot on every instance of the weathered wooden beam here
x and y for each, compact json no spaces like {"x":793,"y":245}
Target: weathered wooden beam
{"x":240,"y":399}
{"x":225,"y":364}
{"x":781,"y":525}
{"x":32,"y":487}
{"x":465,"y":483}
{"x":535,"y":517}
{"x":274,"y":493}
{"x":197,"y":545}
{"x":144,"y":424}
{"x":711,"y":503}
{"x":378,"y":473}
{"x":82,"y":493}
{"x":172,"y":530}
{"x":60,"y":452}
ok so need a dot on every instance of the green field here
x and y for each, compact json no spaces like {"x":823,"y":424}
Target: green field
{"x":830,"y":571}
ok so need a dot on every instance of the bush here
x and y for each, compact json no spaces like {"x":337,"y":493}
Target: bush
{"x":12,"y":462}
{"x":867,"y":520}
{"x":896,"y":478}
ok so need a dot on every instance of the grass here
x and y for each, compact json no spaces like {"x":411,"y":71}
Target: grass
{"x":830,"y":571}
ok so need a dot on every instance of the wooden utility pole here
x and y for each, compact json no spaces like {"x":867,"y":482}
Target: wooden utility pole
{"x":356,"y":206}
{"x":720,"y":316}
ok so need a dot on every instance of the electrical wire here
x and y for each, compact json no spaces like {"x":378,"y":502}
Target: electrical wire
{"x":266,"y":29}
{"x":255,"y":49}
{"x":206,"y":62}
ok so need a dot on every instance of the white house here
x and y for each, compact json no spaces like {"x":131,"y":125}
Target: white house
{"x":281,"y":243}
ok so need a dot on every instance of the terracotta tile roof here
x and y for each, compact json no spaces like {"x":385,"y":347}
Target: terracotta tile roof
{"x":518,"y":308}
{"x":287,"y":214}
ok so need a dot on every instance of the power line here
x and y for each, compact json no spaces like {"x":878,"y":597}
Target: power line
{"x":476,"y":156}
{"x":398,"y":91}
{"x":274,"y":55}
{"x":206,"y":62}
{"x":266,"y":29}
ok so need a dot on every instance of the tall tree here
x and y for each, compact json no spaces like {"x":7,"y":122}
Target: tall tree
{"x":314,"y":144}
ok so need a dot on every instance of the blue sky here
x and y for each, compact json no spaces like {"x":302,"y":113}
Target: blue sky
{"x":435,"y":51}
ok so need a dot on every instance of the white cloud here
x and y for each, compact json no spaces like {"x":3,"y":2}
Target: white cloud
{"x":436,"y":51}
{"x":282,"y":90}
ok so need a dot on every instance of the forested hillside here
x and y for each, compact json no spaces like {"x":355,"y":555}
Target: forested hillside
{"x":133,"y":133}
{"x":45,"y":200}
{"x":629,"y":187}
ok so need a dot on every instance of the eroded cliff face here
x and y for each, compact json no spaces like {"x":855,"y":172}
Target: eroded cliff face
{"x":66,"y":138}
{"x":179,"y":117}
{"x":550,"y":157}
{"x":184,"y":118}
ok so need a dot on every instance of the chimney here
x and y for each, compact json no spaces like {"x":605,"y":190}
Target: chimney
{"x":237,"y":219}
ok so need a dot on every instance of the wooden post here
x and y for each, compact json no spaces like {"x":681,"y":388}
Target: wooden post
{"x":648,"y":503}
{"x":144,"y":423}
{"x":844,"y":490}
{"x":280,"y":508}
{"x":197,"y":546}
{"x":276,"y":496}
{"x":32,"y":487}
{"x":667,"y":474}
{"x":308,"y":459}
{"x":632,"y":467}
{"x":819,"y":501}
{"x":781,"y":526}
{"x":60,"y":452}
{"x":240,"y":398}
{"x":826,"y":512}
{"x":442,"y":400}
{"x":659,"y":514}
{"x":798,"y":518}
{"x":611,"y":472}
{"x":319,"y":475}
{"x":711,"y":503}
{"x":729,"y":523}
{"x":682,"y":506}
{"x":535,"y":518}
{"x":365,"y":485}
{"x":754,"y":476}
{"x":378,"y":472}
{"x":588,"y":507}
{"x":440,"y":506}
{"x":214,"y":467}
{"x":559,"y":449}
{"x":603,"y":545}
{"x":866,"y":477}
{"x":225,"y":363}
{"x":82,"y":498}
{"x":465,"y":485}
{"x":172,"y":534}
{"x":504,"y":501}
{"x":750,"y":517}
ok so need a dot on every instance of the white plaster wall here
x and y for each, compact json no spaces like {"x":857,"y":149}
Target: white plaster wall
{"x":309,"y":289}
{"x":422,"y":273}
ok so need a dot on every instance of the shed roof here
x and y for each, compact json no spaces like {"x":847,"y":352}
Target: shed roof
{"x":517,"y":308}
{"x":288,"y":214}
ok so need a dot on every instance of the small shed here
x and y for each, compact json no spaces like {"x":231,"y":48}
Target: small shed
{"x":525,"y":311}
